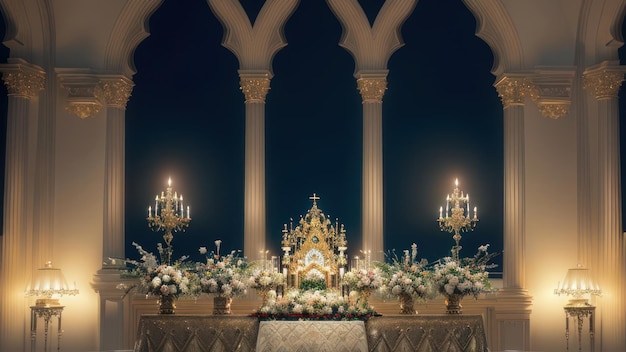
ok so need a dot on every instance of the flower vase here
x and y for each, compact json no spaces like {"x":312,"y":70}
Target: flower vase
{"x":453,"y":303}
{"x":406,"y":304}
{"x":166,"y":304}
{"x":263,"y":292}
{"x":365,"y":295}
{"x":221,"y":305}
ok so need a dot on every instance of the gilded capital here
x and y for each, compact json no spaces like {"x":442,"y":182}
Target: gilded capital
{"x":116,"y":92}
{"x":372,"y":89}
{"x":604,"y":83}
{"x":255,"y":89}
{"x":23,"y":83}
{"x":513,"y":90}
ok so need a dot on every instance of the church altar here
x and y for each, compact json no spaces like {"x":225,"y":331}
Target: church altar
{"x":203,"y":333}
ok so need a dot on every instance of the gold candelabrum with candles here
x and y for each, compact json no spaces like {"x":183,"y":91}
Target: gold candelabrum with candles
{"x":457,"y":217}
{"x":169,"y":217}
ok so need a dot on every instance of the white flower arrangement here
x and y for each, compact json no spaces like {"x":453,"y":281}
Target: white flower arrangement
{"x":406,"y":275}
{"x":468,"y":276}
{"x":161,"y":279}
{"x":363,"y":279}
{"x":262,"y":279}
{"x":313,"y":305}
{"x":222,"y":275}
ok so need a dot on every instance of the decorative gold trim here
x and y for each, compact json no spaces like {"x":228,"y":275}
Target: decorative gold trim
{"x":513,"y":90}
{"x":22,"y":83}
{"x":83,"y":109}
{"x":372,"y":89}
{"x":255,"y":89}
{"x":116,"y":92}
{"x":604,"y":83}
{"x":554,"y":110}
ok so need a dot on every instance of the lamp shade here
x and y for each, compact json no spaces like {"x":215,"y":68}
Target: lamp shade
{"x":577,"y":283}
{"x":49,"y":283}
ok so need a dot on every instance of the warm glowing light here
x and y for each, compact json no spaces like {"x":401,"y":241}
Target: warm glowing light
{"x":456,"y":182}
{"x":169,"y":182}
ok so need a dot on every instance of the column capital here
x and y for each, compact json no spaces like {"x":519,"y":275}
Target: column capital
{"x":604,"y":80}
{"x":372,"y":85}
{"x":551,"y":90}
{"x":23,"y":79}
{"x":84,"y":92}
{"x":254,"y":85}
{"x":513,"y":88}
{"x":116,"y":90}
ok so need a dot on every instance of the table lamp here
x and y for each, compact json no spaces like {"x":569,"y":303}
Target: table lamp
{"x":579,"y":284}
{"x":48,"y":284}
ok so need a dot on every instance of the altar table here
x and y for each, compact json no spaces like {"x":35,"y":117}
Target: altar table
{"x":420,"y":333}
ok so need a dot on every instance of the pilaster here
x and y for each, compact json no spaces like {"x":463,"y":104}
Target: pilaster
{"x":23,"y":82}
{"x":603,"y":82}
{"x":513,"y":318}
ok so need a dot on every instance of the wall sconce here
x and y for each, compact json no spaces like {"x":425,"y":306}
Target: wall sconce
{"x":48,"y":284}
{"x":579,"y":284}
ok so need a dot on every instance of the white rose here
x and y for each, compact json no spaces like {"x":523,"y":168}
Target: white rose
{"x":156,"y":282}
{"x":166,"y":278}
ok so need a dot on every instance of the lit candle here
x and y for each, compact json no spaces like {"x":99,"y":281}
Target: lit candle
{"x":475,"y":213}
{"x":468,"y":215}
{"x":187,"y":212}
{"x":440,"y":212}
{"x":156,"y":205}
{"x":181,"y":205}
{"x":447,"y":204}
{"x":150,"y":211}
{"x":456,"y":183}
{"x":169,"y":182}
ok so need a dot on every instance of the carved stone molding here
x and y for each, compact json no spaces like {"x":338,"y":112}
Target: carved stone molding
{"x":604,"y":80}
{"x":255,"y":88}
{"x":551,"y":91}
{"x":84,"y":93}
{"x":372,"y":89}
{"x":23,"y":79}
{"x":116,"y":91}
{"x":513,"y":89}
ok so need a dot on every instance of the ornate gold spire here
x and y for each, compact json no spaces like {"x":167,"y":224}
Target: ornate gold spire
{"x":255,"y":89}
{"x":372,"y":89}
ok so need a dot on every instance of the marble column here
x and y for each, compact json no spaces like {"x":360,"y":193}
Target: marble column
{"x":23,"y":82}
{"x":115,"y":91}
{"x":372,"y":88}
{"x":254,"y":86}
{"x":512,"y":91}
{"x":603,"y":82}
{"x":513,"y":311}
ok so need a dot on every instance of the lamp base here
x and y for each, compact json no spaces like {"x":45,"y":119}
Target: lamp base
{"x":47,"y":302}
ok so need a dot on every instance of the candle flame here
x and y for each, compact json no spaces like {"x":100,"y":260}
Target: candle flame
{"x":169,"y":182}
{"x":456,"y":182}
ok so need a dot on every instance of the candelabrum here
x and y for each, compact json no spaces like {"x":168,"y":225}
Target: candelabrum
{"x":457,"y":217}
{"x":168,"y":217}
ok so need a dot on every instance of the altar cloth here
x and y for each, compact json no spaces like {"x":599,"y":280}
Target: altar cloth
{"x":311,"y":336}
{"x":394,"y":333}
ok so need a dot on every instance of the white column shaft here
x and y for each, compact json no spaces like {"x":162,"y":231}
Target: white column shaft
{"x":611,"y":274}
{"x":12,"y":316}
{"x":372,"y":211}
{"x":254,"y":197}
{"x":514,"y":198}
{"x":113,"y":240}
